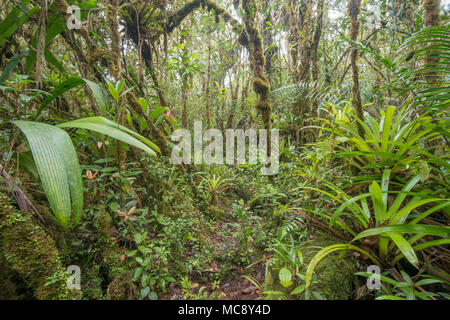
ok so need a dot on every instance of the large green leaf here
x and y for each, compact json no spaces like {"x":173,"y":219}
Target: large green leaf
{"x":404,"y":247}
{"x":64,"y":86}
{"x":378,"y":203}
{"x":403,"y":194}
{"x":16,"y":18}
{"x":98,"y":92}
{"x":439,"y":242}
{"x":58,"y":168}
{"x":100,"y":96}
{"x":114,"y":130}
{"x":401,"y":215}
{"x":385,"y":187}
{"x":358,"y":211}
{"x":407,"y":228}
{"x":386,"y":128}
{"x":9,"y":67}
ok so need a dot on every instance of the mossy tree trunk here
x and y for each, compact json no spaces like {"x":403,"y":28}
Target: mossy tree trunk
{"x":432,"y":18}
{"x":304,"y":68}
{"x":294,"y":42}
{"x":257,"y":63}
{"x":208,"y":87}
{"x":268,"y":39}
{"x":316,"y":40}
{"x":353,"y":10}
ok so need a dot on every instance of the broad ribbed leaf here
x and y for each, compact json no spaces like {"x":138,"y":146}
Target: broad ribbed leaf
{"x":58,"y":168}
{"x":113,"y":130}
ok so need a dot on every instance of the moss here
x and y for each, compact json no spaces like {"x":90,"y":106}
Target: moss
{"x":175,"y":19}
{"x":115,"y":67}
{"x":101,"y":54}
{"x":262,"y":106}
{"x":32,"y":253}
{"x":335,"y":277}
{"x":256,"y":49}
{"x":216,"y":211}
{"x":122,"y":288}
{"x":261,"y":86}
{"x":104,"y":224}
{"x":354,"y":8}
{"x":7,"y":287}
{"x":92,"y":283}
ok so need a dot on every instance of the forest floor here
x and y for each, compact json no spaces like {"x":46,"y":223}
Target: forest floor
{"x":234,"y":286}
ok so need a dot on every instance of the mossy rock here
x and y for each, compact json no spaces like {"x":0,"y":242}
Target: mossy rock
{"x":122,"y":288}
{"x":335,"y":277}
{"x":7,"y":287}
{"x":30,"y":252}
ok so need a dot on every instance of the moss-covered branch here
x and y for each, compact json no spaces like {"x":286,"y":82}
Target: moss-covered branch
{"x":176,"y":18}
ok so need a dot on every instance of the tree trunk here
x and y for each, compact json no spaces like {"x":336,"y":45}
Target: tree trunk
{"x":208,"y":87}
{"x":432,"y":18}
{"x":260,"y":83}
{"x":354,"y":8}
{"x":316,"y":41}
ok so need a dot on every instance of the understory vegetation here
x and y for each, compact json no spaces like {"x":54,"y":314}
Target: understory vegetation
{"x":90,"y":96}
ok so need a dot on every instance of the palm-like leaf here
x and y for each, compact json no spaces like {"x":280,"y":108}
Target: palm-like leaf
{"x":57,"y":162}
{"x":114,"y":130}
{"x":58,"y":167}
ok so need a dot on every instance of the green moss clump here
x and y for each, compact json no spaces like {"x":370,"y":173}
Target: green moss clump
{"x":262,"y":106}
{"x":32,"y":253}
{"x":101,"y":54}
{"x":91,"y":283}
{"x":7,"y":287}
{"x":104,"y":222}
{"x":261,"y":86}
{"x":122,"y":288}
{"x":335,"y":277}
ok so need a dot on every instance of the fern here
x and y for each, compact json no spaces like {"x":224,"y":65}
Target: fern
{"x":312,"y":90}
{"x":412,"y":65}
